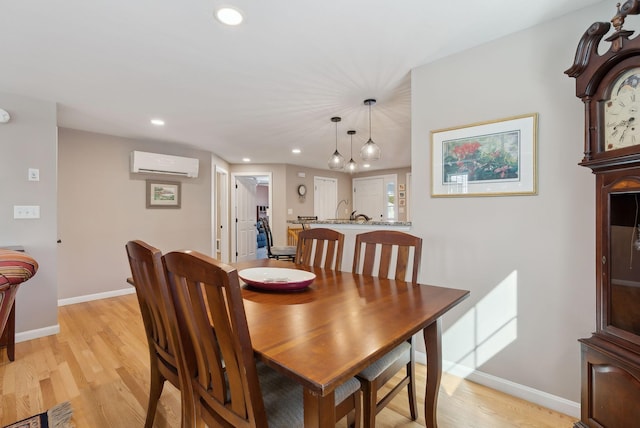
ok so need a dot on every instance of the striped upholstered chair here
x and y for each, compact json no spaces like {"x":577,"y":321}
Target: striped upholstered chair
{"x":15,"y":268}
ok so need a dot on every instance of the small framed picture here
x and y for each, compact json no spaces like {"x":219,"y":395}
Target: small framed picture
{"x":402,"y":194}
{"x":163,"y":194}
{"x":401,"y":187}
{"x":402,"y":202}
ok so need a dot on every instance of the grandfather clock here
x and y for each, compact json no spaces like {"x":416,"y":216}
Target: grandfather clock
{"x":609,"y":86}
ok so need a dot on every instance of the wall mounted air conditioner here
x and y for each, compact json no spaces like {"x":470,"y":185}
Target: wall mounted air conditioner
{"x":155,"y":163}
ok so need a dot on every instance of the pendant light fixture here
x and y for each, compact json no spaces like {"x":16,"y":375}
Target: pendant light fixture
{"x":351,"y":165}
{"x":336,"y":161}
{"x":370,"y":151}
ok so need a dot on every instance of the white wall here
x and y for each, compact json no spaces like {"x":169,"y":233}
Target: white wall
{"x":29,"y":141}
{"x":528,"y":260}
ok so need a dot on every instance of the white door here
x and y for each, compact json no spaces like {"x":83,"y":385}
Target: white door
{"x":325,"y":197}
{"x":246,"y":232}
{"x":369,"y":197}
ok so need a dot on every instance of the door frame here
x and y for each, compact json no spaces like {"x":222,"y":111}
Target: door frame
{"x":232,"y":210}
{"x":220,"y":217}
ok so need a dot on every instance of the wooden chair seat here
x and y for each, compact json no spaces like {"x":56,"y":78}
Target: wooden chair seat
{"x":283,"y":398}
{"x":401,"y":352}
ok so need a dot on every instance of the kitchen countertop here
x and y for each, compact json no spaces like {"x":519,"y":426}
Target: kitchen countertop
{"x":353,"y":222}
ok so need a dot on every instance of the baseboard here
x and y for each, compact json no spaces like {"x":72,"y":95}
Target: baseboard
{"x":97,"y":296}
{"x":532,"y":395}
{"x":37,"y":333}
{"x":55,"y":329}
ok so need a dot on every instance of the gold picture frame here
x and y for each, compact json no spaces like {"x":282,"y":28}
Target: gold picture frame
{"x":495,"y":158}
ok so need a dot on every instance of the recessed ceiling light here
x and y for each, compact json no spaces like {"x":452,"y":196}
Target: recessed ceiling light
{"x":229,"y":16}
{"x":246,"y":160}
{"x":296,"y":151}
{"x":157,"y":122}
{"x":366,"y":165}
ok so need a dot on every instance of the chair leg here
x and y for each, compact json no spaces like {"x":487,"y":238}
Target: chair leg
{"x":157,"y":383}
{"x":369,"y":400}
{"x":411,"y":389}
{"x":357,"y":412}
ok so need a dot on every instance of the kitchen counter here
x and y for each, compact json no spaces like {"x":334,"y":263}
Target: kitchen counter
{"x":346,"y":222}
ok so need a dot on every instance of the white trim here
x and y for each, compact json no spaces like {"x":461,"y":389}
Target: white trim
{"x":97,"y":296}
{"x":531,"y":395}
{"x":220,"y":219}
{"x":55,"y":329}
{"x":37,"y":333}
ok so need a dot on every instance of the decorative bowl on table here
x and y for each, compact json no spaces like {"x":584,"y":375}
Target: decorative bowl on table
{"x":277,"y":279}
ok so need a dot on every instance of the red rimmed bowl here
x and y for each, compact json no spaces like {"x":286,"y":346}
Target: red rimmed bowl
{"x":277,"y":279}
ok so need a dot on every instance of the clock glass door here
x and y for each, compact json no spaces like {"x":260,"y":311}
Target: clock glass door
{"x":624,"y":256}
{"x":622,"y":110}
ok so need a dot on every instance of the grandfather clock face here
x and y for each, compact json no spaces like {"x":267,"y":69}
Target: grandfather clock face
{"x":622,"y":112}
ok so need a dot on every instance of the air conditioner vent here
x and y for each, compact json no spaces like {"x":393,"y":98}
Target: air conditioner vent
{"x":156,"y":163}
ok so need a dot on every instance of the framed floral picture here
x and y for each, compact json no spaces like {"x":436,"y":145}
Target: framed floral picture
{"x":495,"y":158}
{"x":163,"y":194}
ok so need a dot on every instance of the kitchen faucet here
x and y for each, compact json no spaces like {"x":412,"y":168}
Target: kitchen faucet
{"x":353,"y":216}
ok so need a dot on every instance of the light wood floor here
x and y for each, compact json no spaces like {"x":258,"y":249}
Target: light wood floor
{"x":99,"y":362}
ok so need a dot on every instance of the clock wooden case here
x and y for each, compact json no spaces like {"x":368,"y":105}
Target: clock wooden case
{"x":609,"y":86}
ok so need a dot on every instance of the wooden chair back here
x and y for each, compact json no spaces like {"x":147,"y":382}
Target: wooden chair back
{"x":320,"y":247}
{"x":365,"y":254}
{"x":159,"y":319}
{"x":226,"y":390}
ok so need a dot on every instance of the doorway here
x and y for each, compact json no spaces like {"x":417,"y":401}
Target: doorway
{"x":245,"y":211}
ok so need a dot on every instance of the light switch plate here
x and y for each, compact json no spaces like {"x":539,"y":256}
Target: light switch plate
{"x":34,"y":174}
{"x":26,"y":211}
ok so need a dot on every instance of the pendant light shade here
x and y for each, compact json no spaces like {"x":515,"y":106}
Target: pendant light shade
{"x":370,"y":151}
{"x":336,"y":161}
{"x":352,"y":166}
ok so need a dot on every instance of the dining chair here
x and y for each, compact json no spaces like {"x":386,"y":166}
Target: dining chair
{"x":320,"y":247}
{"x":387,"y":246}
{"x":229,"y":388}
{"x":285,"y":252}
{"x":158,"y":319}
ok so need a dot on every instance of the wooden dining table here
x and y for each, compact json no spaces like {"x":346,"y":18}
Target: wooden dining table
{"x":327,"y":333}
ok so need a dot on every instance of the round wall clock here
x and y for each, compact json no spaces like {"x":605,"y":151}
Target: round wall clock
{"x":302,"y":190}
{"x":622,"y":111}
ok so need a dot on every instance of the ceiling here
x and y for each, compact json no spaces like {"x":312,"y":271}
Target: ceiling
{"x":257,"y":90}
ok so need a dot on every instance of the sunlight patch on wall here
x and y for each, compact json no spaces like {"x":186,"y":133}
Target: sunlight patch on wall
{"x":485,"y":330}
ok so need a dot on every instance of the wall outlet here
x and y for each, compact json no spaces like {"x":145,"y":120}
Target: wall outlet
{"x":26,"y":211}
